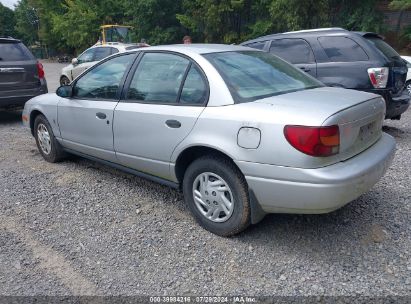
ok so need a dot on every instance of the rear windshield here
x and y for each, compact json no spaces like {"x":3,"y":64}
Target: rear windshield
{"x":252,"y":75}
{"x":14,"y":52}
{"x":384,"y":48}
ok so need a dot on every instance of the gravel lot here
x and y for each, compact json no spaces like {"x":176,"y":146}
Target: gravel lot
{"x":80,"y":228}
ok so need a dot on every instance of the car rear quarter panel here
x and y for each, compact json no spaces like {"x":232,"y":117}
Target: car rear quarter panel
{"x":218,"y":128}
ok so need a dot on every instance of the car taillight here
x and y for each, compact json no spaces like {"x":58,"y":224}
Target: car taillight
{"x":314,"y":141}
{"x":40,"y":70}
{"x":379,"y":77}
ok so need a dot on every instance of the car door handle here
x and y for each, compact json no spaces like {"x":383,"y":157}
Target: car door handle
{"x":100,"y":115}
{"x":305,"y":69}
{"x":175,"y":124}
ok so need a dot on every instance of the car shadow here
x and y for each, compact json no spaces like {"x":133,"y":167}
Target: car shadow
{"x":361,"y":226}
{"x":7,"y":117}
{"x":393,"y":131}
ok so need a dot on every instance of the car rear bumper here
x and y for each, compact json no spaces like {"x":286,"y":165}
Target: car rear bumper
{"x":17,"y":98}
{"x":295,"y":190}
{"x":396,"y":105}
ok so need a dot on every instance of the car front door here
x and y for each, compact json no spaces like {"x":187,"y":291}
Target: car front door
{"x":84,"y":62}
{"x":297,"y":52}
{"x":165,"y":94}
{"x":85,"y":120}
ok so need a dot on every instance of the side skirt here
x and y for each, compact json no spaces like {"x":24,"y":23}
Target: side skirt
{"x":150,"y":177}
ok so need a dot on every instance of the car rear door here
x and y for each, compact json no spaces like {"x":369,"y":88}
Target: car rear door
{"x":18,"y":69}
{"x":342,"y":62}
{"x":296,"y":51}
{"x":165,"y":94}
{"x":86,"y":119}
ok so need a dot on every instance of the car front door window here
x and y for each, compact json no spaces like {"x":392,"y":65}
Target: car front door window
{"x":87,"y":56}
{"x":103,"y":81}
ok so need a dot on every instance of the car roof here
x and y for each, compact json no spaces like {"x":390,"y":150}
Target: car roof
{"x":198,"y":48}
{"x":113,"y":45}
{"x":314,"y":33}
{"x":8,"y":40}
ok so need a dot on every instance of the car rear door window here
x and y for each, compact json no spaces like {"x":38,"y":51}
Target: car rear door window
{"x":103,"y":81}
{"x":195,"y":89}
{"x":295,"y":51}
{"x":14,"y":52}
{"x":158,"y":78}
{"x":101,"y":53}
{"x":342,"y":49}
{"x":383,"y":47}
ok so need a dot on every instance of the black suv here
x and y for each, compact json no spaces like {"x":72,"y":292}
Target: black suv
{"x":340,"y":58}
{"x":21,"y":75}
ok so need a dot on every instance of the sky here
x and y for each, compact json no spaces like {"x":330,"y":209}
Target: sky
{"x":9,"y":3}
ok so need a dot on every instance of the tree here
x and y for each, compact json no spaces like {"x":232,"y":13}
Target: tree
{"x":27,"y":22}
{"x":223,"y":21}
{"x":78,"y":26}
{"x":288,"y":15}
{"x":356,"y":15}
{"x":400,"y":4}
{"x":7,"y":22}
{"x":73,"y":25}
{"x":155,"y":20}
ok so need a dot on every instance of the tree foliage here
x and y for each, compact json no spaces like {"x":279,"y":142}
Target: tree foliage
{"x":7,"y":22}
{"x":73,"y":25}
{"x":27,"y":22}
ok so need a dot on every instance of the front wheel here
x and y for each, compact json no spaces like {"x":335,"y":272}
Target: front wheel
{"x":217,"y":195}
{"x":46,"y":142}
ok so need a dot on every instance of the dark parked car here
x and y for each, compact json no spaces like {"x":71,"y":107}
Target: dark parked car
{"x":340,"y":58}
{"x":21,"y":75}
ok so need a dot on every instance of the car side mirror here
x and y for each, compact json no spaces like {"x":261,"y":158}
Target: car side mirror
{"x":65,"y":91}
{"x":74,"y":61}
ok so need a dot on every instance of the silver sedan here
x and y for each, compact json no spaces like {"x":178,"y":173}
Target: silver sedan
{"x":241,"y":132}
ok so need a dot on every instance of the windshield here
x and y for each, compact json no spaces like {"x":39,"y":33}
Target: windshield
{"x":252,"y":75}
{"x":118,"y":34}
{"x":14,"y":52}
{"x":383,"y":47}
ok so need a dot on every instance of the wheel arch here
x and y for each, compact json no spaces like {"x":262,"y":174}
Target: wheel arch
{"x":33,"y":116}
{"x":190,"y":154}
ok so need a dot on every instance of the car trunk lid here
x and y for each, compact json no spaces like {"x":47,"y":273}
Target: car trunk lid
{"x":359,"y":116}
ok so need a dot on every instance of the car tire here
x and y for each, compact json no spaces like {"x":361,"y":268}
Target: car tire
{"x":228,"y":221}
{"x":64,"y":81}
{"x":408,"y":86}
{"x":46,"y":142}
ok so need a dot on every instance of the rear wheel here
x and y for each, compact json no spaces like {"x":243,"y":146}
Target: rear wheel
{"x":64,"y":81}
{"x":46,"y":142}
{"x":217,"y":195}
